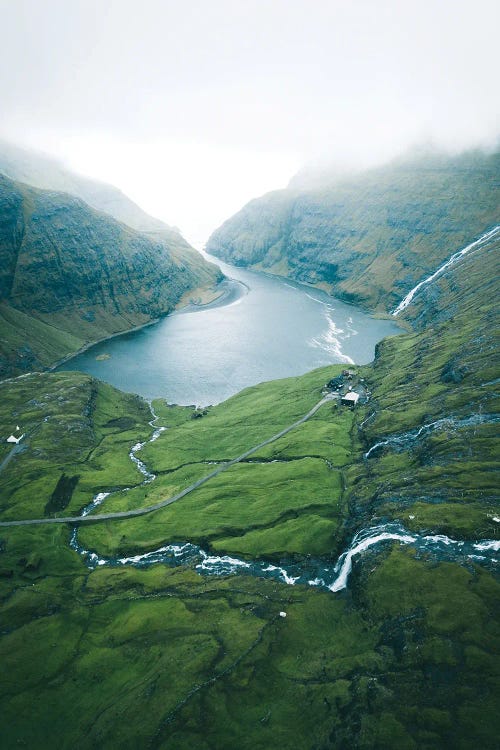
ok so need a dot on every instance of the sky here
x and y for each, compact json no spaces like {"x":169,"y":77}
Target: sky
{"x":193,"y":108}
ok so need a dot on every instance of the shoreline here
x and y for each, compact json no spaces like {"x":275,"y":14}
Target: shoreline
{"x":88,"y":346}
{"x":232,"y":292}
{"x":320,"y":286}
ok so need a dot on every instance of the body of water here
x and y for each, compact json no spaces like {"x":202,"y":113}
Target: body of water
{"x":269,"y":328}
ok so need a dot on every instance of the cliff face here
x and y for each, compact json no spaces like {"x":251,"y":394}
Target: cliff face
{"x":70,"y":275}
{"x":42,"y":171}
{"x":371,"y":237}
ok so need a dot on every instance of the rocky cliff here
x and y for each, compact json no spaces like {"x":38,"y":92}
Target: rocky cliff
{"x":71,"y":275}
{"x":43,"y":171}
{"x":370,"y":237}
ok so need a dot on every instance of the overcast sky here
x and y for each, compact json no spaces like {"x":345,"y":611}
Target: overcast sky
{"x":193,"y":107}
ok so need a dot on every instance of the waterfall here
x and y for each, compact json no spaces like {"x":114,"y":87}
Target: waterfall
{"x":483,"y":240}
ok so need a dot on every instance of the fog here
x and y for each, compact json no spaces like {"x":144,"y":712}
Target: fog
{"x":193,"y":108}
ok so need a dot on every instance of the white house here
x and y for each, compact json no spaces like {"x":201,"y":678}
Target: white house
{"x":14,"y":439}
{"x":350,"y":398}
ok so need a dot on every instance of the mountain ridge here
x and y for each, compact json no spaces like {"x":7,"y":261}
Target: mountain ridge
{"x":80,"y":276}
{"x":367,"y":238}
{"x":47,"y":173}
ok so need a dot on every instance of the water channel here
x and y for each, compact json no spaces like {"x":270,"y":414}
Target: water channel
{"x":266,"y":328}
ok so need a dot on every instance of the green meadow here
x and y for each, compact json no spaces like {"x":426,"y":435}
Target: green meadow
{"x":121,"y":657}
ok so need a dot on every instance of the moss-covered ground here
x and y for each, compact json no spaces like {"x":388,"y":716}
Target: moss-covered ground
{"x":446,"y":479}
{"x":164,"y":658}
{"x":406,"y":657}
{"x":263,"y":506}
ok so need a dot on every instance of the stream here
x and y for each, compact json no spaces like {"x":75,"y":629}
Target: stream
{"x":478,"y":244}
{"x":404,"y":440}
{"x":321,"y":573}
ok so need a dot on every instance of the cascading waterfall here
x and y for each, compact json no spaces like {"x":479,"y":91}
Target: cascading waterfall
{"x":479,"y":243}
{"x":318,"y":573}
{"x":402,"y":441}
{"x":331,"y":576}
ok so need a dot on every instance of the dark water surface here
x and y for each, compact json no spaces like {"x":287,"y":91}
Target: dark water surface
{"x":269,"y":328}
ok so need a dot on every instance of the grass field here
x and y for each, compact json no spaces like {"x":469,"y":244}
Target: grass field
{"x":406,"y":657}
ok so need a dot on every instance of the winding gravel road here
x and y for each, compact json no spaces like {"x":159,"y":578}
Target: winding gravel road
{"x":163,"y":503}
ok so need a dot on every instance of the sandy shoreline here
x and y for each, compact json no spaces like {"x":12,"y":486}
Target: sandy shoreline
{"x":231,"y":290}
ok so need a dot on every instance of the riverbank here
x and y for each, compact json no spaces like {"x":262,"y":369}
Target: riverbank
{"x":226,"y":292}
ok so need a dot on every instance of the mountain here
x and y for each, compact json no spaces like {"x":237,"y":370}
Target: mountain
{"x":43,"y":171}
{"x":370,"y":237}
{"x":431,"y":440}
{"x":403,"y":489}
{"x":71,"y":275}
{"x":382,"y":519}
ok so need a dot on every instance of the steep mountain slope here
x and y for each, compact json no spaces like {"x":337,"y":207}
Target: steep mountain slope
{"x":371,"y":237}
{"x":45,"y":172}
{"x":42,"y":171}
{"x":430,"y":435}
{"x":71,"y":275}
{"x":406,"y":657}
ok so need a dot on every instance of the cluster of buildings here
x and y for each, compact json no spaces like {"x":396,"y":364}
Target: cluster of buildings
{"x":349,"y":387}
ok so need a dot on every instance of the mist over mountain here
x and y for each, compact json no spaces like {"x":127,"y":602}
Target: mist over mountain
{"x":370,"y":236}
{"x":46,"y":172}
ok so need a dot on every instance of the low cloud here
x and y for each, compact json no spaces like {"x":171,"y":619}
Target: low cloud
{"x":267,"y":83}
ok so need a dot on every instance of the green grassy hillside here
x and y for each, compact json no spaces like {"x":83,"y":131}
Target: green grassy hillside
{"x":371,"y":237}
{"x":443,"y":382}
{"x":406,"y":657}
{"x":71,"y":275}
{"x":104,"y":656}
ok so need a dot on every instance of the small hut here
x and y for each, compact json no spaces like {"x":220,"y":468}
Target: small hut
{"x":15,"y":438}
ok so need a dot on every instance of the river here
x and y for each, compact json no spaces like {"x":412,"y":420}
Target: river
{"x":269,"y":328}
{"x":322,"y":573}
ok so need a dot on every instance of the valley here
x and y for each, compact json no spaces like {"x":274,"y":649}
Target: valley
{"x":334,"y":583}
{"x":72,"y":275}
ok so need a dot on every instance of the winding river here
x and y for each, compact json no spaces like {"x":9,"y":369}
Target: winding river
{"x":266,"y":328}
{"x":332,"y":576}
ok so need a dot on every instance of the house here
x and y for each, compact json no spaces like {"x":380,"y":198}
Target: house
{"x":350,"y":398}
{"x":14,"y":439}
{"x":335,"y":384}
